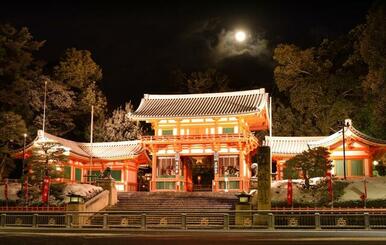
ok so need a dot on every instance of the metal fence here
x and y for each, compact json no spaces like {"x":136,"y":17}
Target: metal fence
{"x":208,"y":220}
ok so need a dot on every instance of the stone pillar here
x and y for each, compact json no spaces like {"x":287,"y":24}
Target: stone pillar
{"x":263,"y":183}
{"x":78,"y":219}
{"x":109,"y":184}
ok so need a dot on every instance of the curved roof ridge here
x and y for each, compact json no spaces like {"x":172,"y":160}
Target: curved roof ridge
{"x":102,"y":150}
{"x":349,"y":130}
{"x":296,"y":137}
{"x":110,"y":143}
{"x":367,"y":137}
{"x":247,"y":102}
{"x":204,"y":95}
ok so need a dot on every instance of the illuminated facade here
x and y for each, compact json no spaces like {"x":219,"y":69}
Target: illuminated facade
{"x":203,"y":141}
{"x":360,"y":151}
{"x":206,"y":142}
{"x":86,"y":161}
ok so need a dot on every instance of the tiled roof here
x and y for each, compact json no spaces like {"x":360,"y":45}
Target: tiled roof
{"x":113,"y":150}
{"x":296,"y":145}
{"x":72,"y":145}
{"x":105,"y":150}
{"x":349,"y":132}
{"x":290,"y":145}
{"x":201,"y":105}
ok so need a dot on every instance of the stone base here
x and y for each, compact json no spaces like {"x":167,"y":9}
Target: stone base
{"x":243,"y":218}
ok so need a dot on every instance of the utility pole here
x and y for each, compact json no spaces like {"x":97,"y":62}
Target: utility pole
{"x":44,"y":106}
{"x":344,"y":150}
{"x":91,"y":141}
{"x":23,"y":178}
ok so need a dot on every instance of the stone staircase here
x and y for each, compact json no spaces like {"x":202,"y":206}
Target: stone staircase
{"x":174,"y":201}
{"x":167,"y":207}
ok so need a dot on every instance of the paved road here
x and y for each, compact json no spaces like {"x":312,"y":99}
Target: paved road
{"x":200,"y":237}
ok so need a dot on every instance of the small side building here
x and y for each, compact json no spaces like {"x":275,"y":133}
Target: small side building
{"x":86,"y":160}
{"x":360,"y":150}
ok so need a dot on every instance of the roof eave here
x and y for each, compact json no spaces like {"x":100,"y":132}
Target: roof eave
{"x":154,"y":117}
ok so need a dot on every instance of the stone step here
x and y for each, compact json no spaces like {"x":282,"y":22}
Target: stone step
{"x":166,"y":201}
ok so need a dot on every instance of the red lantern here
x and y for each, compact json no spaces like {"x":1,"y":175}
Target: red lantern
{"x":289,"y":192}
{"x":25,"y":186}
{"x":46,"y":187}
{"x":6,"y":189}
{"x":329,"y":185}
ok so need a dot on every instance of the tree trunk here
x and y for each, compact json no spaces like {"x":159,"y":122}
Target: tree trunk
{"x":306,"y":179}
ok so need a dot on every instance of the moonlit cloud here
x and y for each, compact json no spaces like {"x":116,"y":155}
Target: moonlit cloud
{"x":227,"y":46}
{"x":221,"y":44}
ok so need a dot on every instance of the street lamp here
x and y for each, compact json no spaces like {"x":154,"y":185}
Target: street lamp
{"x":344,"y":125}
{"x":23,"y":165}
{"x":24,"y":177}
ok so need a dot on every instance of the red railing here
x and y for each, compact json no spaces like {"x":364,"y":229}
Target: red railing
{"x":196,"y":137}
{"x":28,"y":208}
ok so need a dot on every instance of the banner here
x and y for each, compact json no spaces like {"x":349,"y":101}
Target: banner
{"x":289,"y":192}
{"x":329,"y":186}
{"x":6,"y":189}
{"x":46,"y":188}
{"x":25,"y":187}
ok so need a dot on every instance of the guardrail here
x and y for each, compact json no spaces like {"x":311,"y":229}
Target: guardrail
{"x":196,"y":220}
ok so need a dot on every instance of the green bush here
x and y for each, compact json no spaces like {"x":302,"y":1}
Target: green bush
{"x":373,"y":203}
{"x":381,"y":168}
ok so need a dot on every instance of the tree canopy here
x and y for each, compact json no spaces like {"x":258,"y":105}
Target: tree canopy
{"x":311,"y":163}
{"x":340,"y":78}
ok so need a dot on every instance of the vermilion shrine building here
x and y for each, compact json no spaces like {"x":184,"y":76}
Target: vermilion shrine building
{"x":123,"y":158}
{"x":360,"y":150}
{"x":206,"y":142}
{"x":203,"y":141}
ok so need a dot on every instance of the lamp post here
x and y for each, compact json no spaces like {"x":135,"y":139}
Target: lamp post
{"x":23,"y":164}
{"x":23,"y":178}
{"x":344,"y":125}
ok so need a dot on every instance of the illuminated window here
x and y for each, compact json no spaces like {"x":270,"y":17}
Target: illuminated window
{"x":116,"y":174}
{"x":166,"y":167}
{"x":228,"y":130}
{"x":229,"y":166}
{"x":78,"y":174}
{"x":167,"y":132}
{"x":195,"y":131}
{"x":355,"y":165}
{"x":67,"y":172}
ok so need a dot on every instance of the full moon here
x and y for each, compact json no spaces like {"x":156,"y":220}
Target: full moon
{"x":240,"y":36}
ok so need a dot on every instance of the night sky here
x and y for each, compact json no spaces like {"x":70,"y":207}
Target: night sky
{"x":139,"y":46}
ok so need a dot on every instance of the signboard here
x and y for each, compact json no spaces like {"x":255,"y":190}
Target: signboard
{"x":216,"y":157}
{"x":25,"y":187}
{"x":177,"y":161}
{"x":6,"y":189}
{"x":289,"y":192}
{"x":329,"y":185}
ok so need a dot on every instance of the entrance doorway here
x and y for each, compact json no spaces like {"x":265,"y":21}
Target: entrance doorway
{"x":143,"y":178}
{"x":202,"y":172}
